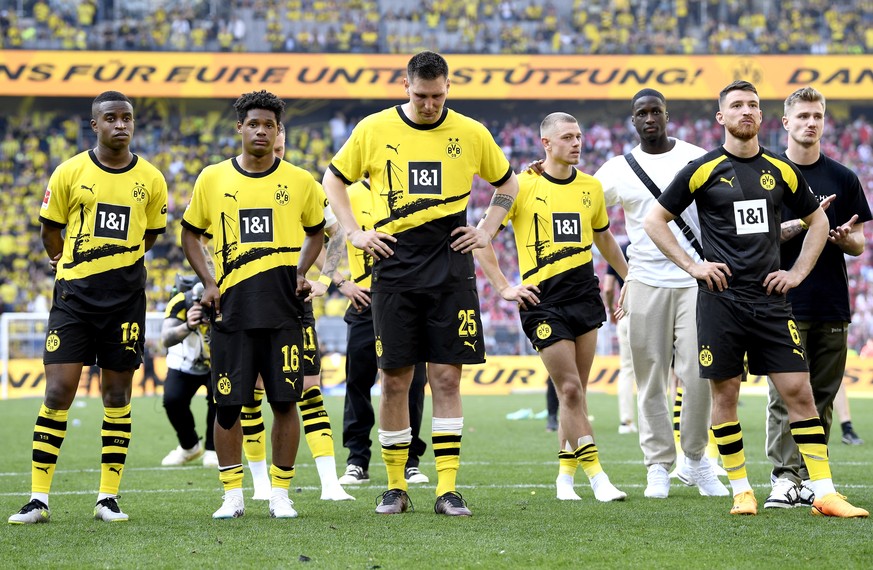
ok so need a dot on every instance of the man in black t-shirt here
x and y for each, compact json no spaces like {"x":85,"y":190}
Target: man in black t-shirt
{"x":742,"y":310}
{"x":821,"y":302}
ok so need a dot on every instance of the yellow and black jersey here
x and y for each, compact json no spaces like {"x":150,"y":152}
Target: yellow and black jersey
{"x":361,"y":262}
{"x":258,"y":221}
{"x":421,"y":176}
{"x":106,"y":213}
{"x":554,"y":223}
{"x":739,"y":202}
{"x":176,"y":308}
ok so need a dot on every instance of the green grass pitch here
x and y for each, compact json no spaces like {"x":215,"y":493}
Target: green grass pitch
{"x":507,"y":475}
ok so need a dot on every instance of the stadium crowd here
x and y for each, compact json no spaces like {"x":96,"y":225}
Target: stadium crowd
{"x":33,"y":143}
{"x":448,"y":26}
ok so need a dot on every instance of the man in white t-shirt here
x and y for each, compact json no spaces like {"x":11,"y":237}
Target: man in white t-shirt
{"x":660,"y":303}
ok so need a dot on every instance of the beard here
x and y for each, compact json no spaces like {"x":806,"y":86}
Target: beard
{"x":744,"y":132}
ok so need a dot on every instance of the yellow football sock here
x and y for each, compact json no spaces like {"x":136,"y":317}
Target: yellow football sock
{"x":254,"y":435}
{"x":48,"y":435}
{"x":116,"y":439}
{"x":810,"y":439}
{"x":316,"y":423}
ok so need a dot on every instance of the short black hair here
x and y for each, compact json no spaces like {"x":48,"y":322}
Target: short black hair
{"x":427,"y":65}
{"x":738,"y":85}
{"x":108,"y":96}
{"x":262,"y":99}
{"x":647,"y":92}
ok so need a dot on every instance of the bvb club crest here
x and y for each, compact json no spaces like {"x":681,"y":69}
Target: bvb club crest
{"x":378,"y":347}
{"x":52,"y":342}
{"x":223,"y":385}
{"x":282,"y":197}
{"x":705,"y":356}
{"x":768,"y":182}
{"x":139,"y":192}
{"x":453,"y":149}
{"x":544,"y":331}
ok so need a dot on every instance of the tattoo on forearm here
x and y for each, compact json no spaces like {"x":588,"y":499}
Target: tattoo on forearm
{"x":789,"y":230}
{"x":333,"y":253}
{"x":502,"y":201}
{"x":210,"y":265}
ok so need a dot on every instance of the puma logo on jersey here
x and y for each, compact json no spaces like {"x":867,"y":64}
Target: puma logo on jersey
{"x":292,"y":382}
{"x":728,"y":182}
{"x":471,"y":344}
{"x":116,"y":470}
{"x":89,"y":189}
{"x":232,"y":196}
{"x":394,"y":148}
{"x":798,"y":353}
{"x":130,"y":348}
{"x":311,"y":359}
{"x":46,"y":469}
{"x":543,"y":200}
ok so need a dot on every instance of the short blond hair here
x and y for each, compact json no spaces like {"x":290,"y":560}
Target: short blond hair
{"x":808,"y":94}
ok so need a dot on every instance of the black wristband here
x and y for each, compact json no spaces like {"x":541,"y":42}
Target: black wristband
{"x":340,"y":284}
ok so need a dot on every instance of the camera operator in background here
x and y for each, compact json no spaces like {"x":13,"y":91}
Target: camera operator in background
{"x":185,"y":333}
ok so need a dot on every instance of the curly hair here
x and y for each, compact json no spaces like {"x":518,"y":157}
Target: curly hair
{"x":259,"y":100}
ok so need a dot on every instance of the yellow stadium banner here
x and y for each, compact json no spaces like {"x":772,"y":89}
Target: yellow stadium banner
{"x":500,"y":375}
{"x":378,"y":76}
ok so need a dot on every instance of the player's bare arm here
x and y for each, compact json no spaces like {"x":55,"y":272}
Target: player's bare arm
{"x":524,"y":295}
{"x":371,"y":241}
{"x":783,"y":281}
{"x":53,"y":242}
{"x":198,"y":259}
{"x":312,"y":245}
{"x":468,"y":238}
{"x":714,"y":274}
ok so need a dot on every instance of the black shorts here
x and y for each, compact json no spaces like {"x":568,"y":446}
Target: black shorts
{"x":311,"y":354}
{"x":413,"y":327}
{"x":766,"y":332}
{"x":112,"y":338}
{"x":239,"y":356}
{"x":546,"y":325}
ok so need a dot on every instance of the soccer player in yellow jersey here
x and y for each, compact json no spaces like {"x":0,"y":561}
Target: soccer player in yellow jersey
{"x":112,"y":205}
{"x":742,"y":309}
{"x":422,"y":157}
{"x":557,"y":218}
{"x":267,"y":223}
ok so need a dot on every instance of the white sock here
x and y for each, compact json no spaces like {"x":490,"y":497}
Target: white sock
{"x":279,"y":493}
{"x":234,"y":492}
{"x":740,"y":485}
{"x":327,"y":470}
{"x":44,"y":497}
{"x":101,"y":496}
{"x":822,"y":487}
{"x":260,"y":472}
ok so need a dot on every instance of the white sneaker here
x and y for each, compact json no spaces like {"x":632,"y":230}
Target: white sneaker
{"x":414,"y":475}
{"x":233,"y":507}
{"x":658,"y":482}
{"x":35,"y":511}
{"x":210,"y":459}
{"x":354,"y":475}
{"x":335,"y":493}
{"x":718,"y":469}
{"x":564,"y":486}
{"x":783,"y":495}
{"x":181,"y":456}
{"x":704,"y":478}
{"x":107,"y":510}
{"x":624,"y":429}
{"x":281,"y":507}
{"x":679,"y":468}
{"x":604,"y":491}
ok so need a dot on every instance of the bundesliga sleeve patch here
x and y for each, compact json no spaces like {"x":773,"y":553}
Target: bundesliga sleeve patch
{"x":47,"y":198}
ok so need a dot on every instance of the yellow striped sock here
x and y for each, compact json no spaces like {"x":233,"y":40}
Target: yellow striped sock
{"x":254,"y":435}
{"x":712,"y":446}
{"x":116,"y":439}
{"x":447,"y":454}
{"x":48,"y":435}
{"x":587,"y":456}
{"x":395,"y":457}
{"x":729,"y":438}
{"x":280,"y":477}
{"x":231,"y":477}
{"x":316,"y":423}
{"x":809,"y":436}
{"x":567,"y":463}
{"x":677,"y":416}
